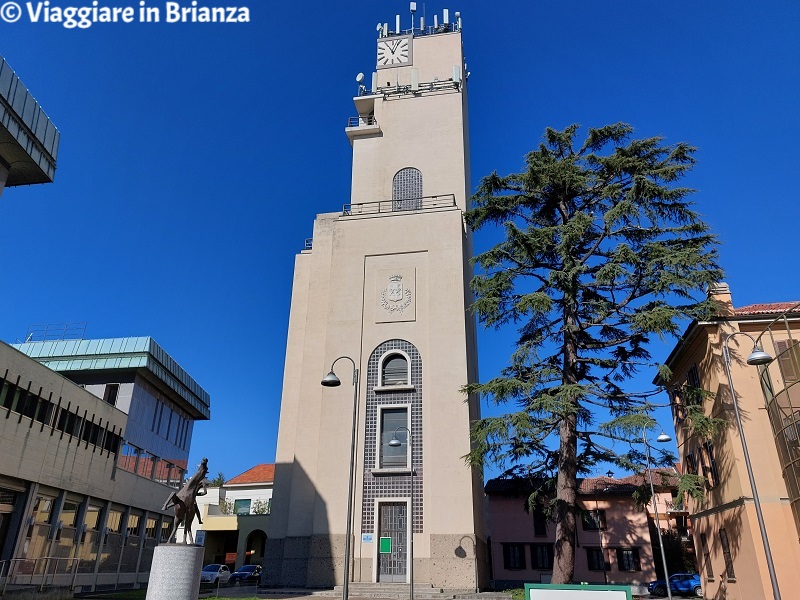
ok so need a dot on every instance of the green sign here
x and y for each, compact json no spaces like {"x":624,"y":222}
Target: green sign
{"x":385,"y":545}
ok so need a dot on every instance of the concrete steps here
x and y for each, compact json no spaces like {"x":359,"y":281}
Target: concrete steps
{"x":392,"y":591}
{"x":422,"y":591}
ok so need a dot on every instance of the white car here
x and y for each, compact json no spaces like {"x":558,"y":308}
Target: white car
{"x":215,"y":574}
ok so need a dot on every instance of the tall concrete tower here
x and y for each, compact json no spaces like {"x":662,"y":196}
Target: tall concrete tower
{"x":385,"y":284}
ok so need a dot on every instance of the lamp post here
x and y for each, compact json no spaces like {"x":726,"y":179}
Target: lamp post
{"x":394,"y":443}
{"x":464,"y":553}
{"x":661,"y":439}
{"x":331,"y":380}
{"x":757,"y":357}
{"x":609,"y":474}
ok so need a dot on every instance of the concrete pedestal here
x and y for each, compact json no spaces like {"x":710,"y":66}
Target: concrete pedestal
{"x":175,"y":572}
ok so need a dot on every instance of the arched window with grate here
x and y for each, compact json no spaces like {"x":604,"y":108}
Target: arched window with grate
{"x":394,"y":370}
{"x":407,"y":189}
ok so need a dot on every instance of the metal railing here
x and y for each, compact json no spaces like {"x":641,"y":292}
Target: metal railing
{"x":361,"y":121}
{"x":309,"y":244}
{"x":430,"y":86}
{"x":675,"y":506}
{"x":406,"y":205}
{"x":427,"y":30}
{"x":38,"y":572}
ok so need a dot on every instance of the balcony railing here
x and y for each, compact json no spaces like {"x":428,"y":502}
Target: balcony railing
{"x":361,"y":121}
{"x":386,"y":207}
{"x":675,"y":506}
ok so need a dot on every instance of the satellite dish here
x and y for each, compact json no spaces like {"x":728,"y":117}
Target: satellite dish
{"x":359,"y":78}
{"x":379,"y":26}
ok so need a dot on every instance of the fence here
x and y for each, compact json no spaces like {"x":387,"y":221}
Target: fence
{"x":38,"y":572}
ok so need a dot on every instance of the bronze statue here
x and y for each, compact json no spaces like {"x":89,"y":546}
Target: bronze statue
{"x":185,"y":503}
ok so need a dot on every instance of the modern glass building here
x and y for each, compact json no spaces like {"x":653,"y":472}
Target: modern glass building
{"x":95,"y":434}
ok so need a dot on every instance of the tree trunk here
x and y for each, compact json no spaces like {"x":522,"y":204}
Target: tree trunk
{"x":566,"y":480}
{"x":566,"y":484}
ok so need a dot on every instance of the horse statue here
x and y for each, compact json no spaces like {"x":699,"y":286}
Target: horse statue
{"x":185,"y":503}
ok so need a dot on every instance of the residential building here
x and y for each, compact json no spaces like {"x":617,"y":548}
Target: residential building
{"x":95,"y":436}
{"x":616,"y":541}
{"x":235,"y":518}
{"x":28,"y":139}
{"x":727,"y":535}
{"x":385,"y":284}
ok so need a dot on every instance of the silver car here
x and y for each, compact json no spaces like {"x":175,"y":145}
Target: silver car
{"x":215,"y":573}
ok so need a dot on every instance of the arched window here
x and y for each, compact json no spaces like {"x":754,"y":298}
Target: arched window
{"x":407,"y":189}
{"x":394,"y":370}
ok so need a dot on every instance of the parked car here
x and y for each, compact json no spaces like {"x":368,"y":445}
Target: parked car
{"x":687,"y":584}
{"x":215,"y":574}
{"x":247,"y":574}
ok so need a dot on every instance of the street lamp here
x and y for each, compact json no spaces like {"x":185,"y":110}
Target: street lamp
{"x":609,"y":474}
{"x":661,"y":439}
{"x":462,"y":553}
{"x":757,"y":357}
{"x":395,"y":443}
{"x":331,"y":380}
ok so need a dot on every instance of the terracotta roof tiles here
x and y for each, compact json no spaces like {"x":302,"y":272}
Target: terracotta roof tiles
{"x":264,"y":473}
{"x":767,"y":308}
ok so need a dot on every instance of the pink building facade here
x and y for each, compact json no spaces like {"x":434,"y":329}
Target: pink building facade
{"x":613,"y":541}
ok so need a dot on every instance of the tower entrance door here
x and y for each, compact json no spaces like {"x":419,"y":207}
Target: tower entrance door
{"x":392,"y":523}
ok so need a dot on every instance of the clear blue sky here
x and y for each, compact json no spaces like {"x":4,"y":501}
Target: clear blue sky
{"x":194,"y":157}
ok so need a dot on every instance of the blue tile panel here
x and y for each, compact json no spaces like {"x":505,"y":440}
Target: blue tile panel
{"x":392,"y":486}
{"x":120,"y":353}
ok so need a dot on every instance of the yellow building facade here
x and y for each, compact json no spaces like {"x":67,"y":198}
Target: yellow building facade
{"x":730,"y":552}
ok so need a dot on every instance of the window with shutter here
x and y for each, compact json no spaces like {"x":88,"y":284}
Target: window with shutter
{"x":713,"y":472}
{"x":593,"y":520}
{"x":595,"y":559}
{"x":691,"y":464}
{"x":726,"y":553}
{"x":539,"y":522}
{"x":514,"y":556}
{"x":706,"y":555}
{"x":628,"y":559}
{"x":678,"y":408}
{"x":542,"y":556}
{"x":692,"y":390}
{"x":788,"y":360}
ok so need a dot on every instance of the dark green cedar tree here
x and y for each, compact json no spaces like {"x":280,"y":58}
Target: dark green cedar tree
{"x":601,"y":251}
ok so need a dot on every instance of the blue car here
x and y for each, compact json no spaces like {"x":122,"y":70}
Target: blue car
{"x":687,"y":584}
{"x":247,"y":574}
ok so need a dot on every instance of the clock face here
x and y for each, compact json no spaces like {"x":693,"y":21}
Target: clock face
{"x":393,"y":52}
